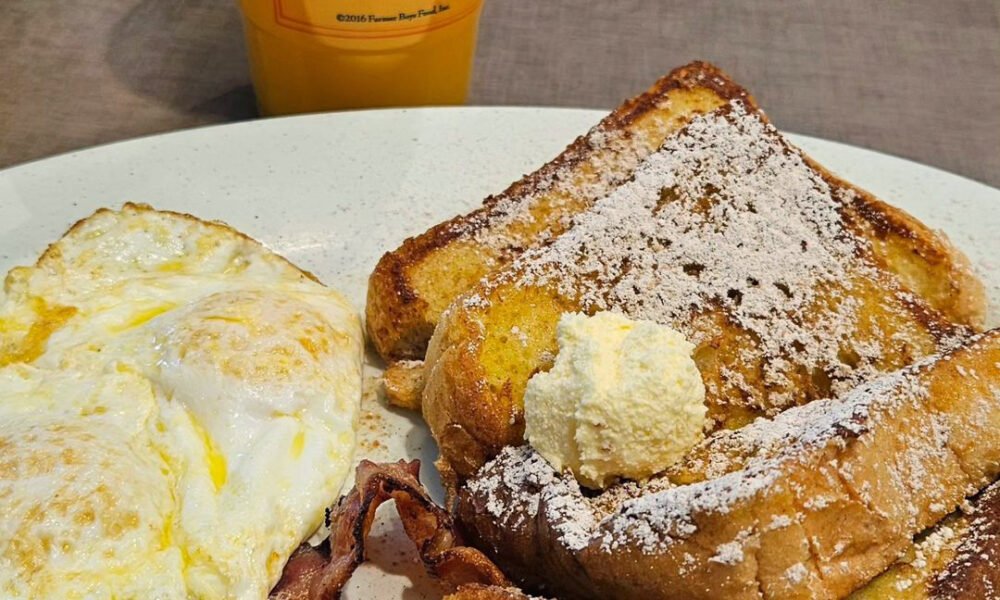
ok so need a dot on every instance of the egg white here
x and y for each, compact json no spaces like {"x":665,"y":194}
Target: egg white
{"x":178,"y":406}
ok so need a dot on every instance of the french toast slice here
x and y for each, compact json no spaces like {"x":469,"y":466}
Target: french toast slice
{"x":810,"y":504}
{"x":727,"y":234}
{"x":412,"y":285}
{"x":954,"y":560}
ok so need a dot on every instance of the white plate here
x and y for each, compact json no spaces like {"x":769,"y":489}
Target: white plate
{"x":333,"y":192}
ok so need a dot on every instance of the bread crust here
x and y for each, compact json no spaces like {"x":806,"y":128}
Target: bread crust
{"x":812,"y":505}
{"x":412,"y":285}
{"x":924,"y":260}
{"x":923,"y":297}
{"x":404,"y":383}
{"x":405,"y":295}
{"x":476,"y":375}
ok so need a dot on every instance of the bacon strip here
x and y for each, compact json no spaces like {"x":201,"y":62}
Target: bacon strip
{"x":320,"y":573}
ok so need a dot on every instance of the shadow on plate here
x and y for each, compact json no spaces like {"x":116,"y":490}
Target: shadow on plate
{"x":390,"y":552}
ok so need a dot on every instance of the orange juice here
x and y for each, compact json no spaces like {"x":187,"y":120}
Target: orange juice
{"x":312,"y":55}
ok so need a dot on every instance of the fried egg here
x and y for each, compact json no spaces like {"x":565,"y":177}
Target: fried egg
{"x":178,"y":406}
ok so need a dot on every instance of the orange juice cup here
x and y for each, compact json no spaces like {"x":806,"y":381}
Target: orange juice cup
{"x":314,"y":55}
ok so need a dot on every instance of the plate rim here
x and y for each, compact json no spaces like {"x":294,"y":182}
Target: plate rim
{"x":277,"y":122}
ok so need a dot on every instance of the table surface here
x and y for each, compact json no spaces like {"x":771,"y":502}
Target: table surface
{"x":915,"y":79}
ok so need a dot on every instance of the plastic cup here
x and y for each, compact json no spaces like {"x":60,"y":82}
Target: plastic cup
{"x":316,"y":55}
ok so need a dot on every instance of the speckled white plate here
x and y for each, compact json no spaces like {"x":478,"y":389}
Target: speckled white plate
{"x":333,"y":192}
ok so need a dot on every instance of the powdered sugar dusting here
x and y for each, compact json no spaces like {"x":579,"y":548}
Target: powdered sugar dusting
{"x":608,"y":153}
{"x":572,"y":521}
{"x":730,"y":553}
{"x":664,"y":512}
{"x":512,"y":494}
{"x":975,"y":540}
{"x":796,"y":573}
{"x":725,"y":215}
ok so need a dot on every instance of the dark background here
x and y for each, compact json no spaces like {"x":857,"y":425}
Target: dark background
{"x":915,"y":79}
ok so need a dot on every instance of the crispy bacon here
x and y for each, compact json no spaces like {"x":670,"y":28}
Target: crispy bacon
{"x":320,"y":573}
{"x":304,"y":566}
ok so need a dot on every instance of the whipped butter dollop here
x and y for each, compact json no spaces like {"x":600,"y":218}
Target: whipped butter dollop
{"x":624,"y":399}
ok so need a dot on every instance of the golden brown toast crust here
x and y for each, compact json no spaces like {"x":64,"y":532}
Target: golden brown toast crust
{"x":810,"y":505}
{"x":403,"y":307}
{"x":924,"y":260}
{"x":971,"y":573}
{"x":477,"y":367}
{"x":954,"y":560}
{"x":404,"y":383}
{"x":473,"y":413}
{"x":412,"y":285}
